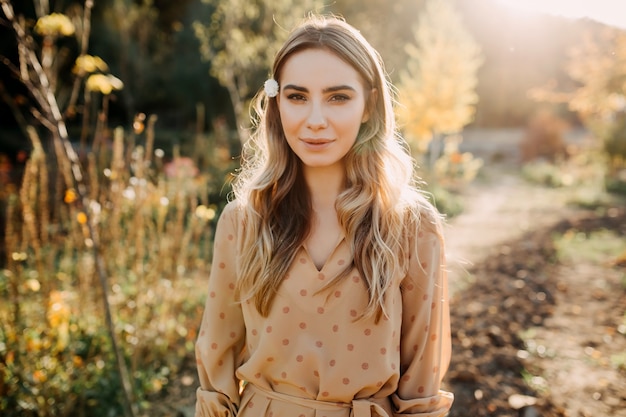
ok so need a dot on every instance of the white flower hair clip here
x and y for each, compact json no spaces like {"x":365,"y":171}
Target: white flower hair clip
{"x":271,"y":87}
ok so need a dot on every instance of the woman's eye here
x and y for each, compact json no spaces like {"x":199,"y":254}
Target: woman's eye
{"x":296,"y":97}
{"x":339,"y":97}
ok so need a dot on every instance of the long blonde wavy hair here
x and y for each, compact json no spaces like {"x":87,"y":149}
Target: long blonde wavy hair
{"x":378,"y":206}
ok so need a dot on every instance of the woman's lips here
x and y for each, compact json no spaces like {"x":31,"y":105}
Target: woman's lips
{"x":316,"y":140}
{"x":316,"y":143}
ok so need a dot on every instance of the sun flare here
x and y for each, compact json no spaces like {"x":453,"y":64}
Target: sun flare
{"x":611,"y":12}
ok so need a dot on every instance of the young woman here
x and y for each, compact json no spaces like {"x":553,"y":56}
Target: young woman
{"x":328,"y":294}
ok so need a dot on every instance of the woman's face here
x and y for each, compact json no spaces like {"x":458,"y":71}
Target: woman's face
{"x":322,"y":103}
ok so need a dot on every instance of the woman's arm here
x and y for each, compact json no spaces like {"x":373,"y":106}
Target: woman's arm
{"x":425,"y":347}
{"x":222,"y":332}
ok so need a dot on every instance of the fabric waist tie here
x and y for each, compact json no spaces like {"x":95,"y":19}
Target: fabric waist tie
{"x":359,"y":407}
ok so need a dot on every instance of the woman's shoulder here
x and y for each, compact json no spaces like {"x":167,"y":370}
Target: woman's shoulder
{"x":232,"y":212}
{"x":231,"y":207}
{"x":424,"y":217}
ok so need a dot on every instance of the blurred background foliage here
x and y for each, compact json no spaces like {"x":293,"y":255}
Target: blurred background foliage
{"x":152,"y":97}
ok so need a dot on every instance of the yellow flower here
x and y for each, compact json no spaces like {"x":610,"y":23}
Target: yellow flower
{"x":157,"y":385}
{"x":78,"y":361}
{"x":58,"y":308}
{"x":33,"y":345}
{"x":70,"y":196}
{"x":39,"y":376}
{"x":139,"y":123}
{"x":89,"y":64}
{"x":59,"y":314}
{"x":81,"y":217}
{"x":104,"y":84}
{"x":55,"y":24}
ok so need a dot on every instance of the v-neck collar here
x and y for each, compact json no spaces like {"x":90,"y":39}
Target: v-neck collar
{"x":340,"y":239}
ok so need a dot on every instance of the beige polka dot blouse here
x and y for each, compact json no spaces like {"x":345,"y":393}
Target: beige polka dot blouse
{"x":310,"y":357}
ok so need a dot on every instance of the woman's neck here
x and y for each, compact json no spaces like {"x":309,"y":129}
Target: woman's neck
{"x":324,"y":184}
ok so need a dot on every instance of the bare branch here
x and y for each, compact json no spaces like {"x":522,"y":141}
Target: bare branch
{"x":43,"y":120}
{"x":53,"y":120}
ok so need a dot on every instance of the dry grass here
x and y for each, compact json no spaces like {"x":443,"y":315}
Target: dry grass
{"x":153,"y":223}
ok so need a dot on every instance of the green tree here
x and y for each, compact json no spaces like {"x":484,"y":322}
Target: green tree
{"x":239,"y":41}
{"x":437,"y":89}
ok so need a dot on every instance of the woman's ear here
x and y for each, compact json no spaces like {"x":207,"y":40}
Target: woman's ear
{"x":370,"y":104}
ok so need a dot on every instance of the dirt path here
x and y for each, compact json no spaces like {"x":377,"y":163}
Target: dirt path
{"x":581,"y":347}
{"x":499,"y":208}
{"x":532,"y":336}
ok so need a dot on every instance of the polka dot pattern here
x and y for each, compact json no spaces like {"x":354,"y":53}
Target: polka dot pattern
{"x":315,"y":343}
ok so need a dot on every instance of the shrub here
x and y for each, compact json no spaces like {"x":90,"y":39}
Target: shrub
{"x":454,"y":169}
{"x":615,"y":148}
{"x":544,"y":138}
{"x":56,"y":357}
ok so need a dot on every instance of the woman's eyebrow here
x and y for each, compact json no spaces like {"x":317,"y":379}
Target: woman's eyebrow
{"x":326,"y":90}
{"x":295,"y":87}
{"x":339,"y":88}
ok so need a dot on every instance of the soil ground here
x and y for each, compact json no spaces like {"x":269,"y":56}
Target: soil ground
{"x":533,"y":335}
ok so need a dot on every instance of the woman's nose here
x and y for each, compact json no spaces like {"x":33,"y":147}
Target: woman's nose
{"x":316,"y":118}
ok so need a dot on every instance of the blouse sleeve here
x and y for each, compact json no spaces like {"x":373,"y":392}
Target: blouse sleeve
{"x":222,"y":334}
{"x":425,"y":347}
